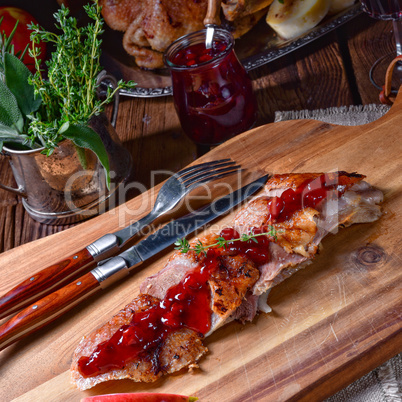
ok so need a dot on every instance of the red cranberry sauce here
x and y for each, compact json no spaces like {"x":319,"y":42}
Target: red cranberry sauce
{"x":256,"y":250}
{"x":197,"y":54}
{"x":214,"y":101}
{"x":309,"y":194}
{"x":186,"y":305}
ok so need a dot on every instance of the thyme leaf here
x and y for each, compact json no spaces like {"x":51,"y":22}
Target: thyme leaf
{"x":183,"y":244}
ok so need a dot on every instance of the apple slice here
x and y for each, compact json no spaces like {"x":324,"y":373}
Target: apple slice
{"x":292,"y":18}
{"x":139,"y":397}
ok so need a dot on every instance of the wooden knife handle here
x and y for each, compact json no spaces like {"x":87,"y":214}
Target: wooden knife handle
{"x":44,"y":282}
{"x":45,"y":310}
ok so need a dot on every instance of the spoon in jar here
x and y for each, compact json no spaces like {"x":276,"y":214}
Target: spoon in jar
{"x":211,"y":20}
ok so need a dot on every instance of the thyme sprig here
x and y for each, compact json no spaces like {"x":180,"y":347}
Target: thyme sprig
{"x":68,"y":87}
{"x":183,"y":245}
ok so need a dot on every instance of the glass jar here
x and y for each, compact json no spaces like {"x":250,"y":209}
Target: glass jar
{"x":212,"y":92}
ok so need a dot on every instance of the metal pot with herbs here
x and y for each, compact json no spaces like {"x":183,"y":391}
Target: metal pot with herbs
{"x":65,"y":155}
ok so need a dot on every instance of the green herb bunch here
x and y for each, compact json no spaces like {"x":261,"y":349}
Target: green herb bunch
{"x":58,"y":102}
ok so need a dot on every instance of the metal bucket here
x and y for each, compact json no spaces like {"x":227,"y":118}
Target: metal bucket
{"x":57,"y":190}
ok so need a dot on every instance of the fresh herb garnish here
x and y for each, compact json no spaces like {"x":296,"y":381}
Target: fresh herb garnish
{"x":183,"y":244}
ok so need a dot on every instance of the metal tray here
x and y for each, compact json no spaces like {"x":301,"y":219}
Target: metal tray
{"x":258,"y":47}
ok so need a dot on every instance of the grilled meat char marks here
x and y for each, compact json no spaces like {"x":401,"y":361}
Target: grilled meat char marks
{"x":230,"y":285}
{"x":237,"y":286}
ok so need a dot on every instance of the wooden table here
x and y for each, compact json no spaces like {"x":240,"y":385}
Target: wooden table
{"x":330,"y":72}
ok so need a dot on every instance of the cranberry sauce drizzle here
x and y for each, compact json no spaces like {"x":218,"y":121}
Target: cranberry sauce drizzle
{"x":309,"y":194}
{"x":186,"y":305}
{"x":256,"y":250}
{"x":198,"y":53}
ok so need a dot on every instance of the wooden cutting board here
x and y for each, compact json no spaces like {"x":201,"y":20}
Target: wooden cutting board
{"x":331,"y":322}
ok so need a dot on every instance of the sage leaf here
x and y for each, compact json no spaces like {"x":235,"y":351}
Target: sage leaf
{"x":84,"y":137}
{"x":81,"y":156}
{"x":7,"y":132}
{"x":9,"y":112}
{"x":17,"y":75}
{"x":10,"y":135}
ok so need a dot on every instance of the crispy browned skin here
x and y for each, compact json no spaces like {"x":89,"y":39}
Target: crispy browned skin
{"x":294,"y":180}
{"x":118,"y":14}
{"x":229,"y":287}
{"x":256,"y":213}
{"x":229,"y":284}
{"x":151,"y":25}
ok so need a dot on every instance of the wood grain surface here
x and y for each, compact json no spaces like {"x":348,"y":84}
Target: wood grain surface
{"x":331,"y":323}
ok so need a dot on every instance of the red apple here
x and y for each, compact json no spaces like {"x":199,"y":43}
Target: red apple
{"x":139,"y":397}
{"x":22,"y":35}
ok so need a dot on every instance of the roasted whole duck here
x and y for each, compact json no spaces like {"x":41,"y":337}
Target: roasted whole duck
{"x":151,"y":26}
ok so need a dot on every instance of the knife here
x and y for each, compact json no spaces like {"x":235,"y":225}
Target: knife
{"x":45,"y":310}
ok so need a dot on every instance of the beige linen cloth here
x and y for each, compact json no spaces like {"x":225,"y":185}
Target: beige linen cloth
{"x":384,"y":384}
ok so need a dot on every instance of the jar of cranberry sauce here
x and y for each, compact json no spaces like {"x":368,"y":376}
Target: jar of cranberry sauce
{"x":212,"y":92}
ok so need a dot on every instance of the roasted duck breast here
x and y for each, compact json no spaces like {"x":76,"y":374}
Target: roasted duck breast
{"x":221,"y":277}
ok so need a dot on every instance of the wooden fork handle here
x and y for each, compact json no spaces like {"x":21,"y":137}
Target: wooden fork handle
{"x":212,"y":17}
{"x":47,"y":309}
{"x":44,"y":282}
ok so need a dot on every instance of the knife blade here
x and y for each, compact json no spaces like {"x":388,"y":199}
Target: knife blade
{"x":47,"y":309}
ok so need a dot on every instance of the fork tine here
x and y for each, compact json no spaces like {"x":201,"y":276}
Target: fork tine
{"x":212,"y":175}
{"x":203,"y":167}
{"x":206,"y":179}
{"x":210,"y":168}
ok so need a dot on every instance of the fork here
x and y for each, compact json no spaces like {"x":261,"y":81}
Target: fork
{"x":55,"y":276}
